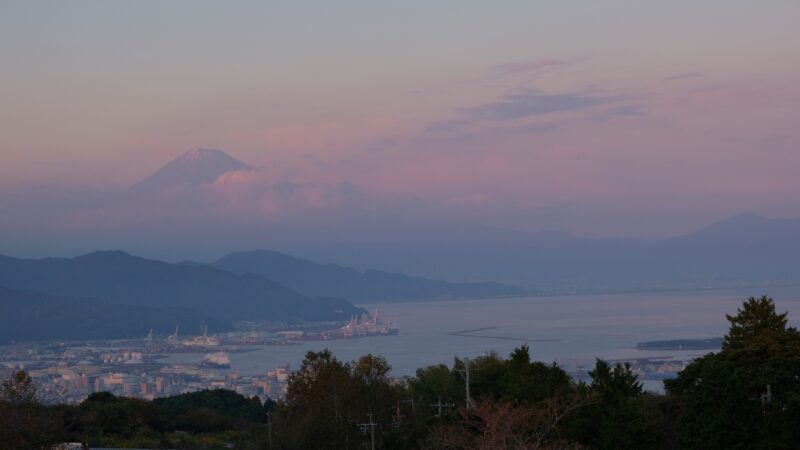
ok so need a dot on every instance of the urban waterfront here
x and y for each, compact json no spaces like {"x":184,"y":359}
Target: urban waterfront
{"x":569,"y":330}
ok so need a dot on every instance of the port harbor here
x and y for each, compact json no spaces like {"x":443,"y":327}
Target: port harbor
{"x":261,"y":355}
{"x":266,"y":333}
{"x":67,"y":372}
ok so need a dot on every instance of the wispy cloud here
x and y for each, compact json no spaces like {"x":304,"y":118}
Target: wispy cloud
{"x":533,"y":102}
{"x":683,"y":76}
{"x":511,"y":74}
{"x":447,"y":126}
{"x":635,"y":110}
{"x":529,"y":67}
{"x":534,"y":110}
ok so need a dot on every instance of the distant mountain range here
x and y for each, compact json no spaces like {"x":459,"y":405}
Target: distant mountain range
{"x":112,"y":294}
{"x":118,"y":277}
{"x":322,"y":280}
{"x":744,"y":250}
{"x":744,"y":229}
{"x":36,"y":316}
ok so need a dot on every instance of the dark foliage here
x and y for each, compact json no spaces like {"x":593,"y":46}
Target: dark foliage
{"x":748,"y":394}
{"x":221,"y":403}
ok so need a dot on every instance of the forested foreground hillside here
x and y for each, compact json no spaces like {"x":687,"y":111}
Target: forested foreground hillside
{"x":745,"y":396}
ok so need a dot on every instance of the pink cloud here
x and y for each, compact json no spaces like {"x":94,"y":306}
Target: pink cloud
{"x":260,"y":193}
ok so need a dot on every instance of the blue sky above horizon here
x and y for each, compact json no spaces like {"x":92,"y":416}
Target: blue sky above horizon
{"x":611,"y":118}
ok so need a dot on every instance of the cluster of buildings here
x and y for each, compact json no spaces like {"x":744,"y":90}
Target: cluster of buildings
{"x":68,"y":373}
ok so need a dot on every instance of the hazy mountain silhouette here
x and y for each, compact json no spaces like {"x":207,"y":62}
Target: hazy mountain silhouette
{"x":35,"y":316}
{"x":317,"y":280}
{"x":746,"y":228}
{"x":191,"y":169}
{"x":745,"y":250}
{"x":118,"y":277}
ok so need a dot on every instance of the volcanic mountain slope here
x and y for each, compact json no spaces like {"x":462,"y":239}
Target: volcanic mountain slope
{"x":191,"y":169}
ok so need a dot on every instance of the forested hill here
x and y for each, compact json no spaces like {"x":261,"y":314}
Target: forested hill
{"x":29,"y":316}
{"x":322,"y":280}
{"x":120,"y":278}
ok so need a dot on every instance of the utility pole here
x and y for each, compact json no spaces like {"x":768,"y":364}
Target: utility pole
{"x":269,"y":428}
{"x":371,"y":426}
{"x":398,"y":418}
{"x":410,"y":400}
{"x":767,"y":397}
{"x":439,"y":405}
{"x":336,"y":407}
{"x":466,"y":381}
{"x":466,"y":369}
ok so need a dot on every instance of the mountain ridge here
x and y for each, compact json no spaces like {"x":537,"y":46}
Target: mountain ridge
{"x":317,"y":279}
{"x":745,"y":228}
{"x":117,"y":277}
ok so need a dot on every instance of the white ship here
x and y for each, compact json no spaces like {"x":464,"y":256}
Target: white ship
{"x":218,"y":360}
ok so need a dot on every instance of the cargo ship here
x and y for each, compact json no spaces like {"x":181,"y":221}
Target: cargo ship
{"x":218,"y":360}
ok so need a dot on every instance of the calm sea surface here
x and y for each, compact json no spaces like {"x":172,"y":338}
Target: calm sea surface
{"x":582,"y":327}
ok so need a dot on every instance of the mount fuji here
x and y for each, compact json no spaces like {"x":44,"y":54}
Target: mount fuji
{"x":191,"y":169}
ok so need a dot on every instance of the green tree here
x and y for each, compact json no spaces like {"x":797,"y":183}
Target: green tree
{"x":18,"y":389}
{"x":24,"y":421}
{"x":328,"y":399}
{"x":104,"y":414}
{"x":433,"y":384}
{"x":222,"y":402}
{"x":748,"y":394}
{"x":718,"y":411}
{"x":525,"y":382}
{"x":755,"y":319}
{"x":615,"y":418}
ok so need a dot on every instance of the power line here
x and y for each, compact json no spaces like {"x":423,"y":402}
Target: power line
{"x":439,"y":405}
{"x":371,"y":426}
{"x":269,"y":428}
